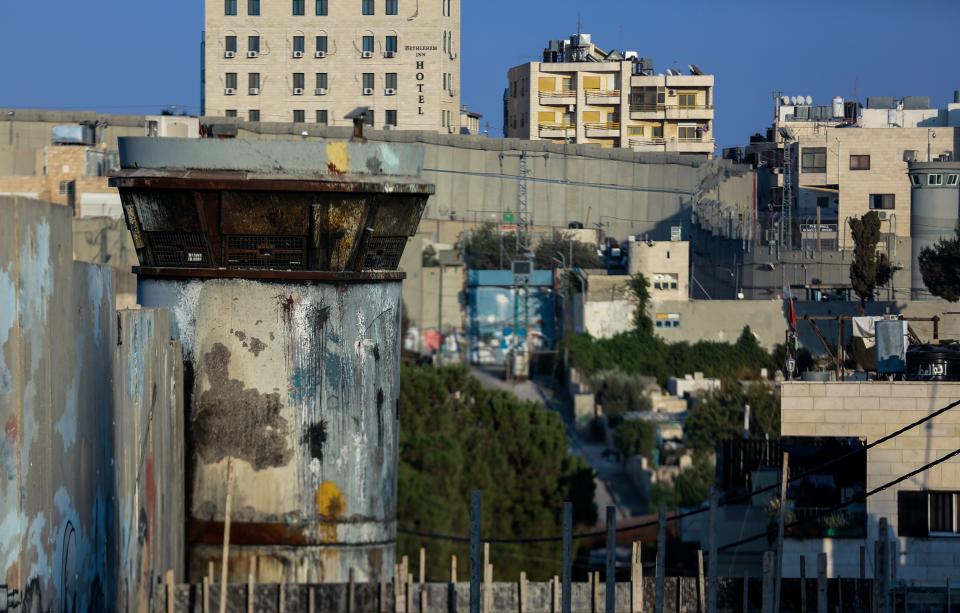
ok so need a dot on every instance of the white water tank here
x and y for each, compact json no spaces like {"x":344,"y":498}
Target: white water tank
{"x":838,"y":107}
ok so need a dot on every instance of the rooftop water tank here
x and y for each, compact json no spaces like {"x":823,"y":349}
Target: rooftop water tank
{"x":934,"y":362}
{"x":838,"y":107}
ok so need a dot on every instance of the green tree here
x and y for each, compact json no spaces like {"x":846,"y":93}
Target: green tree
{"x":868,"y":270}
{"x":940,"y":268}
{"x":640,"y":288}
{"x":584,"y":255}
{"x":636,"y":437}
{"x":692,"y":486}
{"x":719,"y":415}
{"x":483,"y":249}
{"x":455,"y":437}
{"x":619,"y":392}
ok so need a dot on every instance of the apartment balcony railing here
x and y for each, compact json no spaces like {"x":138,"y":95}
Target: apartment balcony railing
{"x":602,"y":93}
{"x":642,"y":142}
{"x":557,"y":97}
{"x":556,"y":129}
{"x":608,"y":126}
{"x":671,"y":144}
{"x":672,"y":111}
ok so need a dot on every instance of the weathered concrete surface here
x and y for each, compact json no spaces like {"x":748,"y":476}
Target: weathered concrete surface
{"x":64,"y":445}
{"x":298,"y":384}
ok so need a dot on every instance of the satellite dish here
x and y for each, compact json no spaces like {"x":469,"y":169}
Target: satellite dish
{"x":793,"y":99}
{"x":809,"y":99}
{"x":695,"y":70}
{"x":799,"y":99}
{"x":784,"y":99}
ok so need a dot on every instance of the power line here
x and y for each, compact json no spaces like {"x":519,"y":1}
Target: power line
{"x":858,"y":498}
{"x":693,"y":512}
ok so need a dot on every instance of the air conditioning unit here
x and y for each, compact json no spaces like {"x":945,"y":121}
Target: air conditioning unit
{"x":366,"y":55}
{"x":229,"y":91}
{"x":673,"y":93}
{"x":320,"y":55}
{"x":389,"y":54}
{"x":253,"y":54}
{"x":571,"y":108}
{"x":254,"y":91}
{"x":230,"y":54}
{"x":367,"y":91}
{"x":298,"y":54}
{"x":390,"y":92}
{"x":297,"y":91}
{"x":450,"y":129}
{"x":883,"y":215}
{"x":453,"y":92}
{"x":320,"y":91}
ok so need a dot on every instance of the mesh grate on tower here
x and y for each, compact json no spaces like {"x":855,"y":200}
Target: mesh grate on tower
{"x":270,"y":252}
{"x":179,"y":249}
{"x":383,"y":252}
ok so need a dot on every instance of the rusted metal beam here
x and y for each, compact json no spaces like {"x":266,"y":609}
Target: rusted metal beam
{"x":244,"y":181}
{"x":270,"y":275}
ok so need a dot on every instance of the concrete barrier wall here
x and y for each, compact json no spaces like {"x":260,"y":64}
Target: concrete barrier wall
{"x":66,"y":442}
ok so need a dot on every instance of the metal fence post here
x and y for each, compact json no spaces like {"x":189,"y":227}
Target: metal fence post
{"x":566,"y":600}
{"x":476,"y":550}
{"x":611,"y":593}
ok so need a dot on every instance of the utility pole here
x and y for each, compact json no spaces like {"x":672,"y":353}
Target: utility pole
{"x":524,"y":258}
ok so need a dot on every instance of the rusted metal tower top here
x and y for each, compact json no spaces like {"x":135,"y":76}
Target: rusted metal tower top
{"x":270,"y":209}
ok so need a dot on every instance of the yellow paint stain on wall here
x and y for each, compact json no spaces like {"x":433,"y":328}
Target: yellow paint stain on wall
{"x":338,"y":154}
{"x":330,"y":508}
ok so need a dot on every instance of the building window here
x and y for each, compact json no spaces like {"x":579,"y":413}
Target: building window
{"x":298,"y":80}
{"x":823,"y":202}
{"x":322,"y":44}
{"x":367,"y":82}
{"x":934,"y":179}
{"x":369,"y":117}
{"x":321,"y":80}
{"x":230,"y":44}
{"x":322,"y":8}
{"x":366,"y":7}
{"x":299,"y":7}
{"x":687,"y":132}
{"x":230,"y":7}
{"x":299,"y":117}
{"x":915,"y":179}
{"x":951,"y":179}
{"x":253,"y":115}
{"x":813,"y":159}
{"x":253,"y":44}
{"x":859,"y":162}
{"x":253,"y":80}
{"x":391,"y":44}
{"x":687,"y":100}
{"x":368,"y":44}
{"x":322,"y":117}
{"x":882,"y":201}
{"x":390,"y":81}
{"x":925,"y":513}
{"x":390,"y":118}
{"x":298,"y":44}
{"x":230,"y":80}
{"x":230,"y":113}
{"x":391,"y":7}
{"x":635,"y":130}
{"x":253,"y":8}
{"x":657,"y":132}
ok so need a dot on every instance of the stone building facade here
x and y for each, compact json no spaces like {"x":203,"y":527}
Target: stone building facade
{"x":314,"y":61}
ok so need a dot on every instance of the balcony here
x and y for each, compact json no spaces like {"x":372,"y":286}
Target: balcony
{"x":557,"y":130}
{"x":609,"y":128}
{"x":603,"y":96}
{"x":565,"y":97}
{"x":672,"y":145}
{"x":671,"y":111}
{"x":690,"y":111}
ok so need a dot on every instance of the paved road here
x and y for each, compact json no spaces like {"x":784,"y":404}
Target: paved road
{"x":613,"y":487}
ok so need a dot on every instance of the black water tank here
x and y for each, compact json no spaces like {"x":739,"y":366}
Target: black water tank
{"x":934,"y":362}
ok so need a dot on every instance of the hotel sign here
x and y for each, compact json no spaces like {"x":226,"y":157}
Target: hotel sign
{"x":420,"y":51}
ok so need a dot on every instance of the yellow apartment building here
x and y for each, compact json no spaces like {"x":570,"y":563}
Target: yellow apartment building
{"x":582,"y":94}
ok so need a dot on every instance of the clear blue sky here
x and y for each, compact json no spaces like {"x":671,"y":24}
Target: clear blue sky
{"x":132,"y":56}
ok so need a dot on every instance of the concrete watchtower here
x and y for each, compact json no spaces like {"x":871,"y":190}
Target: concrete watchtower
{"x":934,"y":202}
